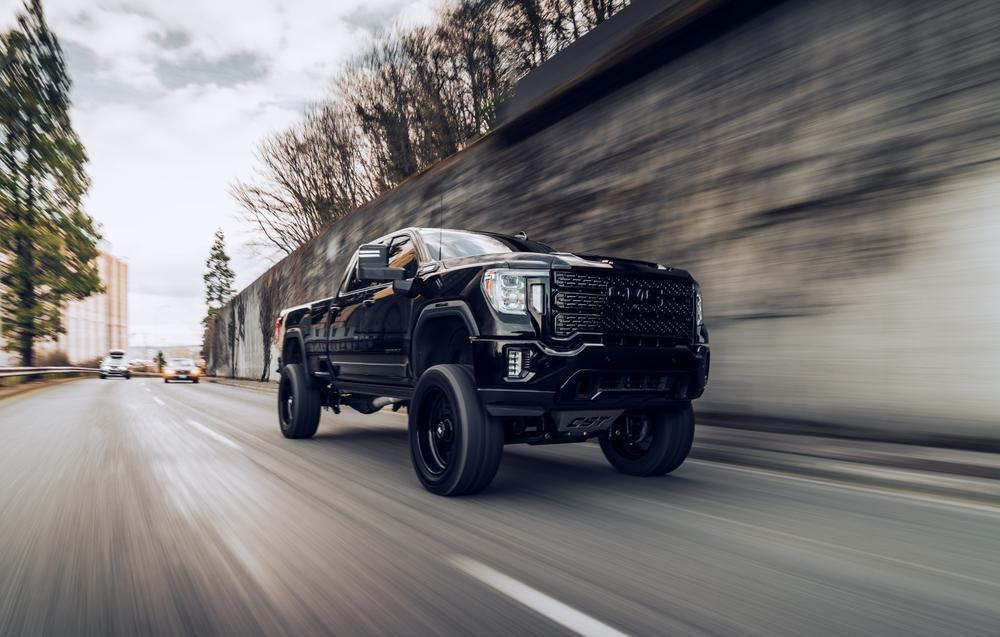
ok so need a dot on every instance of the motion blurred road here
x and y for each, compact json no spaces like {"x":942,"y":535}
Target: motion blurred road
{"x":134,"y":507}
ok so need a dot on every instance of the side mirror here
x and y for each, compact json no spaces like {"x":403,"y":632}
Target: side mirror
{"x":373,"y":264}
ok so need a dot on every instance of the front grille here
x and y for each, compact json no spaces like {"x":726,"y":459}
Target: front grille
{"x":622,"y":308}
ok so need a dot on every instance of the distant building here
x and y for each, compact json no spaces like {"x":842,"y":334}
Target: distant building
{"x":98,"y":323}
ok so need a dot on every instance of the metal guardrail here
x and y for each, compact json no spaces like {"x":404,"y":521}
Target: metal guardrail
{"x":9,"y":372}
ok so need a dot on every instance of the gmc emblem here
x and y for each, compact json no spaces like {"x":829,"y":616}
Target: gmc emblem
{"x":633,"y":294}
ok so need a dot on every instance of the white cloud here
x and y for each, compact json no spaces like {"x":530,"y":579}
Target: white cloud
{"x":171,"y":98}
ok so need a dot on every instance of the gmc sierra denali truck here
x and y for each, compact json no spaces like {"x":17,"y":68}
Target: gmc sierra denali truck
{"x":490,"y":340}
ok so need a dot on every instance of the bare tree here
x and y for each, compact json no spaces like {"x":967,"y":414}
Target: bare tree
{"x":376,"y":89}
{"x":410,"y":99}
{"x":307,"y":177}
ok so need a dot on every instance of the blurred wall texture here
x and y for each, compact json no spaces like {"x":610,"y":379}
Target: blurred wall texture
{"x":828,"y":171}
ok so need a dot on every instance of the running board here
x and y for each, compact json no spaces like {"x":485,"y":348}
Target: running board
{"x":367,"y":389}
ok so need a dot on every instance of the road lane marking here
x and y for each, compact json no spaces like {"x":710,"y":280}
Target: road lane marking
{"x":208,"y":432}
{"x":159,"y":402}
{"x":552,"y":608}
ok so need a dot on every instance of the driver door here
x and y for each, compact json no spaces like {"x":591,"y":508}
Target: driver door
{"x":368,"y":335}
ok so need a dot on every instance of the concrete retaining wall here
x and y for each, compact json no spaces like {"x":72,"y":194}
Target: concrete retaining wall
{"x":828,"y":171}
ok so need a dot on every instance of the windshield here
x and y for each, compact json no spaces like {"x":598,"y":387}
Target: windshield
{"x":180,"y":362}
{"x":452,"y":244}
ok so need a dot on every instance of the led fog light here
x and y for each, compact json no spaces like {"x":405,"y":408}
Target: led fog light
{"x":515,"y":363}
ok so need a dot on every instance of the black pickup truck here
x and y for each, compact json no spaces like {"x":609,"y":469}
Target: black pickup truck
{"x":490,"y":340}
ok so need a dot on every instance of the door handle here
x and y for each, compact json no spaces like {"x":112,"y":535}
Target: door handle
{"x":368,"y":302}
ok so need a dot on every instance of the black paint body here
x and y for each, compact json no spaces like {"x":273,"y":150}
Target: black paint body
{"x":638,"y":346}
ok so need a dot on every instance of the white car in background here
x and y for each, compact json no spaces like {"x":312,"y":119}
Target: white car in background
{"x":115,"y":365}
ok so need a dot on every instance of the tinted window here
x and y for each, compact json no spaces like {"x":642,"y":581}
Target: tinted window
{"x":452,"y":244}
{"x":403,"y":254}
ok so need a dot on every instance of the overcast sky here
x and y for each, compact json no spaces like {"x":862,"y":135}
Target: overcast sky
{"x":170,"y":98}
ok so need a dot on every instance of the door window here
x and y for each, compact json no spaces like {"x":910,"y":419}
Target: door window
{"x":403,"y":254}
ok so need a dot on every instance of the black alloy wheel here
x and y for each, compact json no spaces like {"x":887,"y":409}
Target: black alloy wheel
{"x":649,"y":443}
{"x":455,"y":445}
{"x":632,"y":435}
{"x":437,"y":432}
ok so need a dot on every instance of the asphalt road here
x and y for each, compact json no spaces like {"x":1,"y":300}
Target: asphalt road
{"x":134,"y":507}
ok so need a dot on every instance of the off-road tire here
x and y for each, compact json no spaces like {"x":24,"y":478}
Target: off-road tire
{"x":299,"y":403}
{"x":447,"y":393}
{"x":672,"y":432}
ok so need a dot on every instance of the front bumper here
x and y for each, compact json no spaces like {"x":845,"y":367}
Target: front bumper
{"x":591,"y":378}
{"x":115,"y":372}
{"x":182,"y":375}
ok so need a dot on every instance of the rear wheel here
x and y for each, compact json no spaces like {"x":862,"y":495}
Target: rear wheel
{"x":649,"y":443}
{"x":299,"y":403}
{"x":455,"y":445}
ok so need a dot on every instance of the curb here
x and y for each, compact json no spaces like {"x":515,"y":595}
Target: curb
{"x":255,"y":385}
{"x":978,"y":490}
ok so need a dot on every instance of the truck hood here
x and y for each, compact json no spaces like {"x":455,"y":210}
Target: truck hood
{"x":566,"y":260}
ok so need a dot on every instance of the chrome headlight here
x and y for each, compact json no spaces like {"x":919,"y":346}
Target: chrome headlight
{"x":508,"y":293}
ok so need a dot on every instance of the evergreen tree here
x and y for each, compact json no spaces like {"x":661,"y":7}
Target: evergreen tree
{"x":218,"y":278}
{"x":48,"y":244}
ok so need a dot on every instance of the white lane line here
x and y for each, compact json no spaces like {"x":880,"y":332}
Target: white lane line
{"x":158,"y":401}
{"x":208,"y":432}
{"x":145,"y":388}
{"x":552,"y":608}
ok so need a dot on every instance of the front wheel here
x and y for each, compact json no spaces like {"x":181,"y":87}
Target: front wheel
{"x":649,"y":443}
{"x":299,"y":403}
{"x":455,"y":445}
